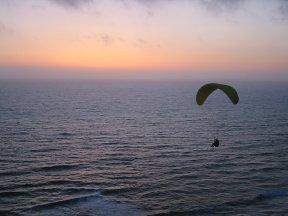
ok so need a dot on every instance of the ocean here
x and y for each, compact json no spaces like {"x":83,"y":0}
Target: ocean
{"x":142,"y":148}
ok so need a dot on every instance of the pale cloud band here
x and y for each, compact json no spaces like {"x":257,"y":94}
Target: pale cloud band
{"x":72,"y":3}
{"x":215,"y":6}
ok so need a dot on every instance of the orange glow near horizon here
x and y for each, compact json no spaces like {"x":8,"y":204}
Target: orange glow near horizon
{"x":131,"y":58}
{"x":110,"y":57}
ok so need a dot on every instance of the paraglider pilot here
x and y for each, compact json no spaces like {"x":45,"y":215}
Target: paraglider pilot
{"x":204,"y":92}
{"x":215,"y":143}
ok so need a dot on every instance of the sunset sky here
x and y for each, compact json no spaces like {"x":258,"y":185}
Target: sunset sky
{"x":185,"y":39}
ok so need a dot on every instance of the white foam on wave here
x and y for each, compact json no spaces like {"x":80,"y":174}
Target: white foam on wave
{"x":88,"y":205}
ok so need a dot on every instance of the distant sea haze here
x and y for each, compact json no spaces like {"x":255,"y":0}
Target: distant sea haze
{"x":142,"y":148}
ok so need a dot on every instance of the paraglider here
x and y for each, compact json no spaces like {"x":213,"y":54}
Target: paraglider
{"x":207,"y":89}
{"x":215,"y":143}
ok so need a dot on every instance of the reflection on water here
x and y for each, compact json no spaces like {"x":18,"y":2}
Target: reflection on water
{"x":142,"y":149}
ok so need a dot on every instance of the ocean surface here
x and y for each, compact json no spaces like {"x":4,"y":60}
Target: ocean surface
{"x":142,"y":148}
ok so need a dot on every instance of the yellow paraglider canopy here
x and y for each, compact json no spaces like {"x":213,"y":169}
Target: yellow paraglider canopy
{"x":207,"y":89}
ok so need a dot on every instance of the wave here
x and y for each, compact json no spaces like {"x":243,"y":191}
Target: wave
{"x":14,"y":173}
{"x":14,"y":193}
{"x":115,"y":191}
{"x":277,"y":193}
{"x":64,"y":182}
{"x":58,"y":167}
{"x":62,"y":202}
{"x":229,"y":206}
{"x":66,"y":134}
{"x":4,"y":212}
{"x":44,"y":150}
{"x":86,"y":205}
{"x":28,"y":186}
{"x":271,"y":194}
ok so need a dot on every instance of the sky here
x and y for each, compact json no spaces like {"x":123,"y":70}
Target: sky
{"x":147,"y":39}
